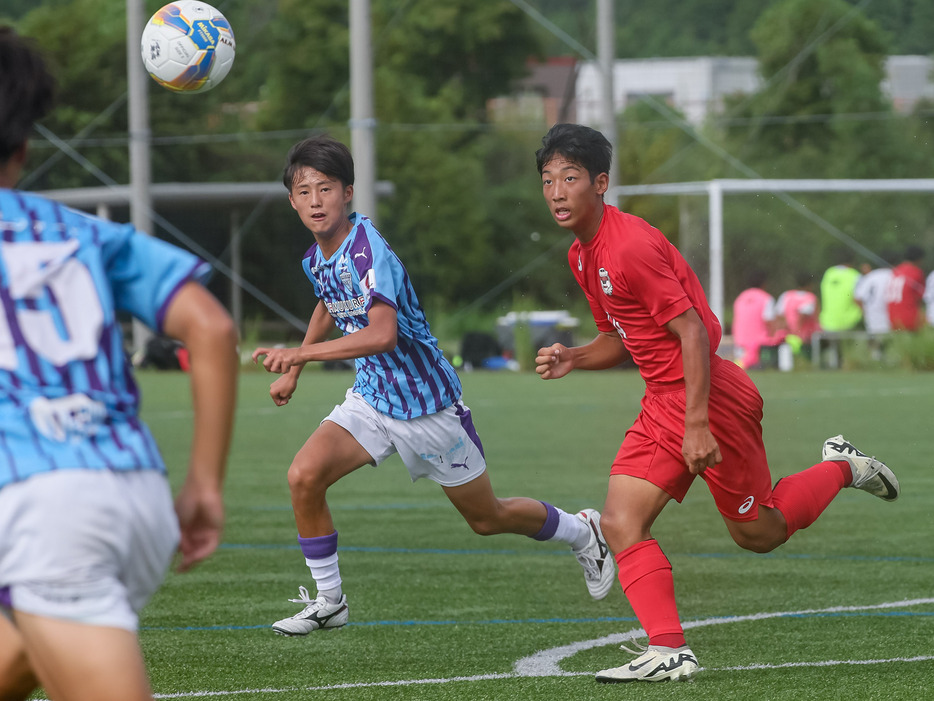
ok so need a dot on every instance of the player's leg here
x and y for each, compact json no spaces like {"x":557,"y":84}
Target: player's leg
{"x":328,"y":455}
{"x":632,"y":505}
{"x":488,"y":514}
{"x":799,"y":499}
{"x":758,"y":517}
{"x":81,"y":662}
{"x":17,"y":680}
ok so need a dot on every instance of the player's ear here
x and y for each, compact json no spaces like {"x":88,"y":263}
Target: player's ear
{"x":292,"y":202}
{"x":348,"y":194}
{"x":602,"y":183}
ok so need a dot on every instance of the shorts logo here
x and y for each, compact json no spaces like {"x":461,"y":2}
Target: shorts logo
{"x":747,"y":504}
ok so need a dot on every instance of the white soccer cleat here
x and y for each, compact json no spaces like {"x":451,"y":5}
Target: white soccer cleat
{"x":318,"y":613}
{"x":869,"y":474}
{"x":596,"y":558}
{"x":656,"y":664}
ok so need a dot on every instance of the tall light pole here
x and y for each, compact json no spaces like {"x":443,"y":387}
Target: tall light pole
{"x":362,"y":122}
{"x":139,"y":136}
{"x":606,"y":56}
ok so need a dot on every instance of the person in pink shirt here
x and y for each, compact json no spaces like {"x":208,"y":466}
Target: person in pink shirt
{"x":754,"y":322}
{"x":796,"y":310}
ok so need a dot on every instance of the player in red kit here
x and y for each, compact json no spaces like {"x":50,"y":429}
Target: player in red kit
{"x":700,"y":416}
{"x":904,"y":293}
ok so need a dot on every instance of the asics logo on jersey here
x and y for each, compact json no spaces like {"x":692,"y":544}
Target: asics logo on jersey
{"x":747,"y":504}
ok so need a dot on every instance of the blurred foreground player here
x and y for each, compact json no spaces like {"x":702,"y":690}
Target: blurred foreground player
{"x":87,"y":525}
{"x":700,"y":415}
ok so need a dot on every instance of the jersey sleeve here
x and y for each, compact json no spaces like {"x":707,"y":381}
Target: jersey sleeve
{"x":378,"y":269}
{"x":145,"y":273}
{"x":651,"y":277}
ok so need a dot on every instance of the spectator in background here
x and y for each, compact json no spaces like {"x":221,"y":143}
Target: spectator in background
{"x":754,"y":321}
{"x":929,"y":298}
{"x":839,"y":310}
{"x":869,"y":293}
{"x":905,"y":292}
{"x":797,"y":309}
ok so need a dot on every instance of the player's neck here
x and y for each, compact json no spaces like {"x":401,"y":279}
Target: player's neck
{"x":329,"y":243}
{"x":12,"y":169}
{"x":588,"y":227}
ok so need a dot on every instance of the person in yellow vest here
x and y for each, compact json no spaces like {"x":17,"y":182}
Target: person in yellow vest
{"x":839,"y":309}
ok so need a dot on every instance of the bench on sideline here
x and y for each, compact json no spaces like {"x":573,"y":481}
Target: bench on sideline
{"x":831,"y":341}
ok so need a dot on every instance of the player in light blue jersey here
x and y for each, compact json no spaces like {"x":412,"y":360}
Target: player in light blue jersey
{"x":406,"y":398}
{"x":87,"y":524}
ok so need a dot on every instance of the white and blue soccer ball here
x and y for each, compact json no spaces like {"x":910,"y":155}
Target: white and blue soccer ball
{"x":188,"y":46}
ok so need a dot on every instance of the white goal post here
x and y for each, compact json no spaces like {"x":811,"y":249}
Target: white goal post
{"x":716,"y":189}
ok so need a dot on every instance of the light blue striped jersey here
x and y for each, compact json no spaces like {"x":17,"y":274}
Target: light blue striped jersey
{"x":67,"y":395}
{"x":415,"y":378}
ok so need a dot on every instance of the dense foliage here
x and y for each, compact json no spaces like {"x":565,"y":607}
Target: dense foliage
{"x":466,"y":213}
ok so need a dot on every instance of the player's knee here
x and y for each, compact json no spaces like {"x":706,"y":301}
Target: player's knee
{"x":484,"y":525}
{"x":757,"y":542}
{"x":306,"y":478}
{"x":621,"y":532}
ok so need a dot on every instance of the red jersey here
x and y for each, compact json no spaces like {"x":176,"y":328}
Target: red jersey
{"x":903,"y":294}
{"x":636,"y":281}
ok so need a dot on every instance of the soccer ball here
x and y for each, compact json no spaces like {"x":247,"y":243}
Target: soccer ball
{"x":188,"y":46}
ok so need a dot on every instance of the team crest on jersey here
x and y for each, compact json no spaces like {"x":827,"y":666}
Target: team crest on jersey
{"x":346,"y":278}
{"x":605,"y":281}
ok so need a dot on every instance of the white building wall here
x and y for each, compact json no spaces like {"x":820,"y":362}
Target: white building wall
{"x":696,"y":86}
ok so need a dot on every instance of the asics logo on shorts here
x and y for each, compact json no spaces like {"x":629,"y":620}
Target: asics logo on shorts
{"x":747,"y":504}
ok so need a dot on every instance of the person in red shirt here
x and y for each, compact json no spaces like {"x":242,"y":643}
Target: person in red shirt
{"x":700,"y":416}
{"x":905,"y":292}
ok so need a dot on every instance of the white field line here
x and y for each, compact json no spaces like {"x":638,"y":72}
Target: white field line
{"x":546,"y":662}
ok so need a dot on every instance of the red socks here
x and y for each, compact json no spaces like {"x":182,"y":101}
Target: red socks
{"x":645,"y":574}
{"x":802,"y":497}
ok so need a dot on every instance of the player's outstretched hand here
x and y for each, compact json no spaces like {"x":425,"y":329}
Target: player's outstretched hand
{"x":200,"y":514}
{"x":553,"y":362}
{"x":278,"y":360}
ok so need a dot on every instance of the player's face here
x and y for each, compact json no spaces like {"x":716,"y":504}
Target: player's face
{"x":575,"y":202}
{"x":321,"y":202}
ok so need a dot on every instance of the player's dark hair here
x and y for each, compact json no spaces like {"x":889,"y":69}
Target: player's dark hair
{"x":323,"y":153}
{"x":581,"y":145}
{"x":914,"y":253}
{"x":27,"y":90}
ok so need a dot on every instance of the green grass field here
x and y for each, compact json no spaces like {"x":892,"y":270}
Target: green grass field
{"x":440,"y":613}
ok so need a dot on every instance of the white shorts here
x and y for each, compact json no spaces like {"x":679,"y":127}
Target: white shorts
{"x":89,"y":546}
{"x":444,"y":447}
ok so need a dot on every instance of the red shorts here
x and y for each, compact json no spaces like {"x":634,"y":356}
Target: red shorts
{"x":651,"y":449}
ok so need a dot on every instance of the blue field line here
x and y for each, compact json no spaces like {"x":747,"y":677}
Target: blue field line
{"x":563,"y":553}
{"x":526,"y":621}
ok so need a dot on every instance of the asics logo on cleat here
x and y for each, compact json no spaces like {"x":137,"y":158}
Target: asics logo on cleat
{"x":671,"y":664}
{"x":845,"y":447}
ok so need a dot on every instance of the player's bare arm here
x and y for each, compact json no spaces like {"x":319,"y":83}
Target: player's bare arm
{"x":379,"y":336}
{"x":320,"y":327}
{"x":197,"y":319}
{"x":699,"y":447}
{"x":604,"y":351}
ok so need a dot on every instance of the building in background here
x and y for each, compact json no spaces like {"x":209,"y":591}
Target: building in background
{"x":565,"y":90}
